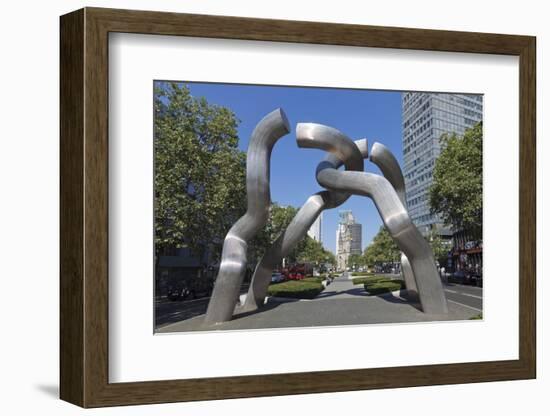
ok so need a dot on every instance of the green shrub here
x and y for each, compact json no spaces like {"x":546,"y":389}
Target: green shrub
{"x":317,"y":279}
{"x":478,"y":316}
{"x":381,"y":285}
{"x":300,"y":289}
{"x":369,"y":279}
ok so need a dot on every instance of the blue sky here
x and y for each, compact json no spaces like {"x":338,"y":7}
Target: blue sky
{"x":375,"y":115}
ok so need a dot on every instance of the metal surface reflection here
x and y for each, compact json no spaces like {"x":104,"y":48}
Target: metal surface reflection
{"x":233,"y":262}
{"x":382,"y":157}
{"x":389,"y":205}
{"x":302,"y":221}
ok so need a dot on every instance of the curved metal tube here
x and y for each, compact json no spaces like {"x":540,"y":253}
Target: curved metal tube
{"x":233,"y":262}
{"x":393,"y":213}
{"x":382,"y":157}
{"x":408,"y":277}
{"x":300,"y":224}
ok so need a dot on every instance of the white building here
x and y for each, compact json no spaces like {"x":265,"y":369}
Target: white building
{"x":425,"y":118}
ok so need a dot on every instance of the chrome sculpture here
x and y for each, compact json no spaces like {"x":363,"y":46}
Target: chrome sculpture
{"x":233,"y":262}
{"x":389,"y":205}
{"x":352,"y":158}
{"x":387,"y":192}
{"x":382,"y":157}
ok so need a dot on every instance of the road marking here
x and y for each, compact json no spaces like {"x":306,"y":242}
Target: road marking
{"x":462,"y":293}
{"x":466,"y":306}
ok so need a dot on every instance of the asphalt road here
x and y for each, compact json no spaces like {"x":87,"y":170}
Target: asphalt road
{"x":463,"y":295}
{"x":468,"y":296}
{"x":167,"y":311}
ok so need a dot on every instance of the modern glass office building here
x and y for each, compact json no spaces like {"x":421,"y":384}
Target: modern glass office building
{"x":425,"y":117}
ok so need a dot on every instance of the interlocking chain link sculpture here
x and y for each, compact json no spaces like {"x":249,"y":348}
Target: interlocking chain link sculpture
{"x":388,"y":193}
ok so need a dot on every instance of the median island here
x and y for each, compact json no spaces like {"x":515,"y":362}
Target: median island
{"x":378,"y":285}
{"x":307,"y":288}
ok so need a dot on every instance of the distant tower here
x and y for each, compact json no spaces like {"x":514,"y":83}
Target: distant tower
{"x":348,"y":238}
{"x":316,"y":229}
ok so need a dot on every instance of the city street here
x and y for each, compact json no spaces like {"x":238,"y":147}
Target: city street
{"x":469,"y":296}
{"x":341,"y":303}
{"x":167,"y":311}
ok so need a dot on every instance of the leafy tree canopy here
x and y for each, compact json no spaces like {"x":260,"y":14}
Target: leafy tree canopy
{"x":199,"y":171}
{"x":200,"y":179}
{"x":382,"y":249}
{"x":457,"y":189}
{"x":313,"y":251}
{"x":439,"y":247}
{"x":307,"y":250}
{"x":357,"y":260}
{"x":278,"y":220}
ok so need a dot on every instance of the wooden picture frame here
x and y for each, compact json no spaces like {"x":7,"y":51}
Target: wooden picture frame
{"x":84,"y":207}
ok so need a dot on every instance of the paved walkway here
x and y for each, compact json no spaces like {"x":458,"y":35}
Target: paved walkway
{"x":341,"y":303}
{"x":342,"y":288}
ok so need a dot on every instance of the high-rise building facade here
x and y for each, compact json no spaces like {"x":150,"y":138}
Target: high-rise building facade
{"x":425,"y":117}
{"x":348,"y":239}
{"x":316,"y":229}
{"x":355,"y":231}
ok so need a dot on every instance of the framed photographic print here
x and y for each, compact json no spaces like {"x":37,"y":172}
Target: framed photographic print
{"x":255,"y":207}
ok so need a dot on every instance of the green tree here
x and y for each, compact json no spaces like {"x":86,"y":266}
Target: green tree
{"x":439,"y":247}
{"x":199,"y":170}
{"x":357,"y":260}
{"x":307,"y":249}
{"x":330,"y":258}
{"x":278,"y":220}
{"x":312,"y":251}
{"x":382,"y":249}
{"x":457,"y":189}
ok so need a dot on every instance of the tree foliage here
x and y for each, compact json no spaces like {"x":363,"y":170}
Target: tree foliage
{"x":439,"y":247}
{"x":278,"y":220}
{"x":382,"y":249}
{"x":312,"y":251}
{"x":307,"y":249}
{"x":457,"y":189}
{"x":199,"y":170}
{"x":357,"y":260}
{"x":200,"y":180}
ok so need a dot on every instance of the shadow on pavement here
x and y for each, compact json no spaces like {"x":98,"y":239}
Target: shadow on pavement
{"x":356,"y":291}
{"x":270,"y":305}
{"x":391,"y":298}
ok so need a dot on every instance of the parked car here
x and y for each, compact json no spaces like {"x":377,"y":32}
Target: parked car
{"x":467,"y":277}
{"x":277,"y":277}
{"x":190,"y":288}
